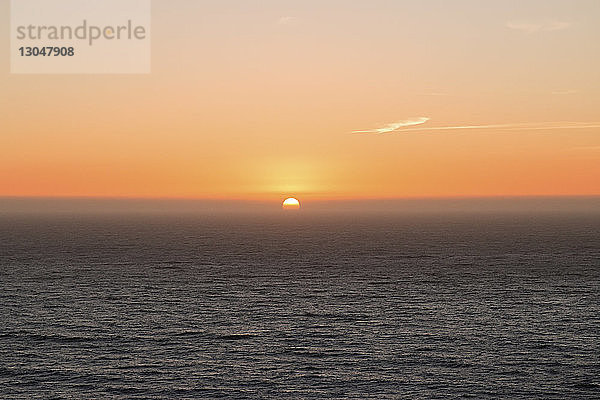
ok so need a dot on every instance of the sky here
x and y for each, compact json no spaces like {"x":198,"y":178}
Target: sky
{"x":322,"y":100}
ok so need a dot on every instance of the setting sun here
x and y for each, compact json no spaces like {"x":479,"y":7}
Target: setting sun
{"x":291,"y":204}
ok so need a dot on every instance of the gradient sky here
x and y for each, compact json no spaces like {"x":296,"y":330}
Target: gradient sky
{"x":260,"y":99}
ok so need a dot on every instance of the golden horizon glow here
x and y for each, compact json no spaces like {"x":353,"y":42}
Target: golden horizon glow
{"x":460,"y":100}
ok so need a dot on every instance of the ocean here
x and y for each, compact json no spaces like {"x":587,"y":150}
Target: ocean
{"x":300,"y":306}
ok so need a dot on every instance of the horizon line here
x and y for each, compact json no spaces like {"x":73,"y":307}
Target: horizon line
{"x":313,"y":199}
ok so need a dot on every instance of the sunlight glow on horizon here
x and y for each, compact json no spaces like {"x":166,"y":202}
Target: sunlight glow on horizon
{"x":291,"y":203}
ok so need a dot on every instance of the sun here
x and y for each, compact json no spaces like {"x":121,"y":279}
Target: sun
{"x":291,"y":204}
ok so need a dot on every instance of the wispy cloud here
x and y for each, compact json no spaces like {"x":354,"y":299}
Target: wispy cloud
{"x":287,"y":20}
{"x":437,"y":94}
{"x":515,"y":127}
{"x":585,"y":148}
{"x":532,"y":26}
{"x":405,"y":126}
{"x":394,"y":126}
{"x":561,"y":92}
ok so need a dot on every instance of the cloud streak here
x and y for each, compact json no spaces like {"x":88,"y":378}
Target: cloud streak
{"x":561,"y":92}
{"x":394,"y":126}
{"x":504,"y":127}
{"x":547,"y":25}
{"x":432,"y":94}
{"x":287,"y":20}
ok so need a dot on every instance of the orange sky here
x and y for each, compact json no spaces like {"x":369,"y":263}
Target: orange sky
{"x":259,"y":100}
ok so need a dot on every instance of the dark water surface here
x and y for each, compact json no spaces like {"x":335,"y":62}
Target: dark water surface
{"x":300,"y":307}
